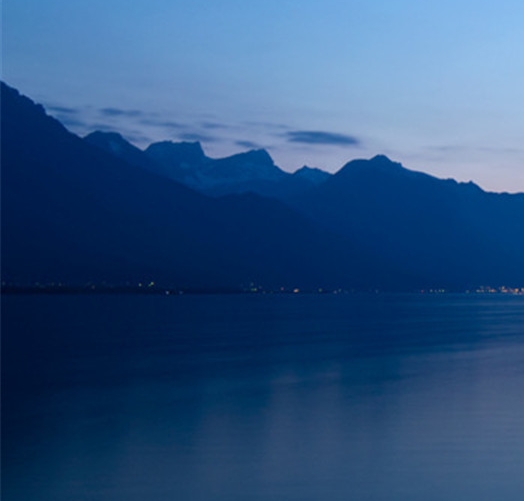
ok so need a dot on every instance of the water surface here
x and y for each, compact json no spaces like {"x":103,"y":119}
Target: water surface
{"x":284,"y":398}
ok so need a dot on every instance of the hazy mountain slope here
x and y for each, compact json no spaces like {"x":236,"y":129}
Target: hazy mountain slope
{"x":249,"y":172}
{"x":181,"y":162}
{"x":115,"y":144}
{"x":252,"y":171}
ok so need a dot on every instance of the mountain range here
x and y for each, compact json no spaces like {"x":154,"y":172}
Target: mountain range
{"x":253,"y":171}
{"x":100,"y":210}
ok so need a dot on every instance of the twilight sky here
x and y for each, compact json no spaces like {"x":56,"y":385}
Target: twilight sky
{"x":438,"y":86}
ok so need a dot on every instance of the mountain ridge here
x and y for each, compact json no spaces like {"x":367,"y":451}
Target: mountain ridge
{"x":185,"y":162}
{"x":74,"y":212}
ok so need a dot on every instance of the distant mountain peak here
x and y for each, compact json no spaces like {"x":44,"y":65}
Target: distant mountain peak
{"x":306,"y":168}
{"x":382,"y":158}
{"x":182,"y":152}
{"x":312,"y":174}
{"x":379,"y":164}
{"x":110,"y":141}
{"x":260,"y":156}
{"x":248,"y":166}
{"x":189,"y":146}
{"x":105,"y":134}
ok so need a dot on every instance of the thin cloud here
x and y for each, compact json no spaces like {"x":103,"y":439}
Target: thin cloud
{"x":321,"y":137}
{"x":137,"y":138}
{"x":468,"y":149}
{"x":213,"y":125}
{"x":118,"y":112}
{"x":63,"y":110}
{"x":168,"y":124}
{"x":266,"y":125}
{"x":247,"y":144}
{"x":195,"y":136}
{"x":69,"y":121}
{"x":104,"y":127}
{"x":446,"y":148}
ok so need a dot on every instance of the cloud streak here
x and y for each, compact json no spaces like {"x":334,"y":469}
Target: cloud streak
{"x":321,"y":137}
{"x":118,"y":112}
{"x":195,"y":136}
{"x":169,"y":124}
{"x":213,"y":125}
{"x":65,"y":110}
{"x":247,"y":144}
{"x":70,"y":121}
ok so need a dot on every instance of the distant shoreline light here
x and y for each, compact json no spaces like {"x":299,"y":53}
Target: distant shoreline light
{"x":150,"y":287}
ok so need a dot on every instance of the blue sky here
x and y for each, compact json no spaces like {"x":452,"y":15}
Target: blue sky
{"x":438,"y":86}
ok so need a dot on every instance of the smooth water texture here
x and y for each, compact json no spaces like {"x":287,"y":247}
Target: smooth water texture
{"x":254,"y":398}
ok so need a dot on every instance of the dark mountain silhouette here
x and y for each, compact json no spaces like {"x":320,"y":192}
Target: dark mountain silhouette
{"x":98,"y":209}
{"x":73,"y":213}
{"x":451,"y":233}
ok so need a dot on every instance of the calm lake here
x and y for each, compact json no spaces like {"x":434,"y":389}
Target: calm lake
{"x":263,"y":397}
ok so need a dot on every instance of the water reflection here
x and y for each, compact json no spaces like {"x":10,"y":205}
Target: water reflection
{"x":252,"y":398}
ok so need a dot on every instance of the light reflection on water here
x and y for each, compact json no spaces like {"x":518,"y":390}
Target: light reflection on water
{"x":263,"y":398}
